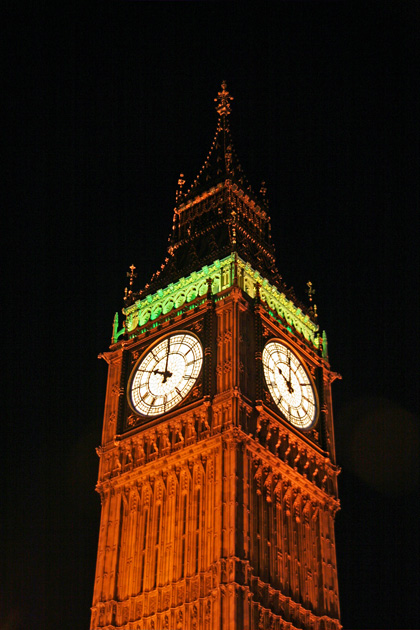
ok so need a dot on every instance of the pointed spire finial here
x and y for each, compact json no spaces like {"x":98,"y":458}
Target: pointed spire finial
{"x":129,"y":292}
{"x":263,"y":192}
{"x":131,"y":274}
{"x":310,"y":290}
{"x":181,"y":182}
{"x":223,"y":101}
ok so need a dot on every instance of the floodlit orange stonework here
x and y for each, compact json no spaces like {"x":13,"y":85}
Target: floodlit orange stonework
{"x":220,"y":512}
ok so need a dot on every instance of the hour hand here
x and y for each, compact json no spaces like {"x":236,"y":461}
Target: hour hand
{"x":279,"y":369}
{"x":166,"y":374}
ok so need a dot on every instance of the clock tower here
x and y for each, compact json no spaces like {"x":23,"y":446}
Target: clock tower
{"x":217,"y":471}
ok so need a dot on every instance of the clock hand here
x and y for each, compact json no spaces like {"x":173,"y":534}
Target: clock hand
{"x":289,"y":386}
{"x":289,"y":382}
{"x":279,"y":369}
{"x":166,"y":374}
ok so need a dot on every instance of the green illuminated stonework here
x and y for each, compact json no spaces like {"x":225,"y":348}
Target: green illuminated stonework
{"x":178,"y":295}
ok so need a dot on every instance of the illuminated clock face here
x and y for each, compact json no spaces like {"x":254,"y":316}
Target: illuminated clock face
{"x":166,"y":374}
{"x":290,"y":385}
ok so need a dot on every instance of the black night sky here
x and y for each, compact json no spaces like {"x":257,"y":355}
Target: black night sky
{"x":105,"y":108}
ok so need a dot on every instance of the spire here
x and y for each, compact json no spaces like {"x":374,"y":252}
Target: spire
{"x":219,"y":214}
{"x":222,"y":162}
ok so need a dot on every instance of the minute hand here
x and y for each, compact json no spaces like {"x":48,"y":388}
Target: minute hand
{"x":288,"y":383}
{"x":167,"y":355}
{"x":166,"y":373}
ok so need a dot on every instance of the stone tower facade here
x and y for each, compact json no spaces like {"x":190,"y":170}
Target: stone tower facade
{"x":217,"y":471}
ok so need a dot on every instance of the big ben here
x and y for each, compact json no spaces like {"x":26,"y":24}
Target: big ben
{"x":217,"y":474}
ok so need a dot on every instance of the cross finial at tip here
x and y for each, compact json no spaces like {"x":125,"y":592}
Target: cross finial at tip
{"x":223,"y":101}
{"x":131,"y":275}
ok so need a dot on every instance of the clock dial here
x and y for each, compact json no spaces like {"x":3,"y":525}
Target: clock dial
{"x":290,"y":385}
{"x":166,"y":374}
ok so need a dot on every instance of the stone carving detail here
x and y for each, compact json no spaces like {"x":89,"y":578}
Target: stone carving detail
{"x":258,"y":427}
{"x":132,"y":420}
{"x":208,"y":584}
{"x":153,"y":444}
{"x":198,"y":327}
{"x":208,"y":611}
{"x":166,"y":600}
{"x":139,"y":609}
{"x":178,"y":431}
{"x":140,"y":453}
{"x":194,"y":615}
{"x":116,"y":468}
{"x":171,"y":486}
{"x":180,"y":595}
{"x":152,"y":605}
{"x":315,"y":435}
{"x":116,"y":390}
{"x":191,"y":429}
{"x":204,"y":422}
{"x":164,"y":439}
{"x":194,"y":590}
{"x":93,"y":617}
{"x":268,"y":486}
{"x":227,"y":366}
